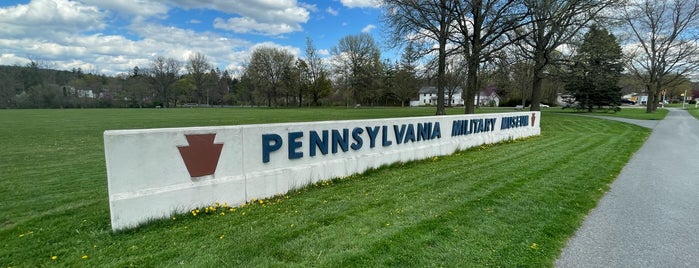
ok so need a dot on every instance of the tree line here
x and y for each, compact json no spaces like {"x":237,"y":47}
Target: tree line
{"x":528,"y":51}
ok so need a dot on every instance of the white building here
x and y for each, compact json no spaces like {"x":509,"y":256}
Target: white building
{"x":428,"y":97}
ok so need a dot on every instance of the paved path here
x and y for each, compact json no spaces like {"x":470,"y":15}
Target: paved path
{"x":650,"y":217}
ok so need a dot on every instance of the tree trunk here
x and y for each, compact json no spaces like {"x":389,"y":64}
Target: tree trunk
{"x":442,"y":63}
{"x":471,"y":87}
{"x":538,"y":77}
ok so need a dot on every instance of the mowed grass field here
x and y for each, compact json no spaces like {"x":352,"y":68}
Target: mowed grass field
{"x":512,"y":204}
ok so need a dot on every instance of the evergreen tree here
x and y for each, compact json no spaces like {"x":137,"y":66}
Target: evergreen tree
{"x":594,"y":76}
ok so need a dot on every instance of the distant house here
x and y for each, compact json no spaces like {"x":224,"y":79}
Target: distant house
{"x":81,"y":93}
{"x":428,"y":97}
{"x":488,"y":98}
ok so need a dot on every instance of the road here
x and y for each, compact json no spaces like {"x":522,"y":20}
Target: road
{"x":650,"y":216}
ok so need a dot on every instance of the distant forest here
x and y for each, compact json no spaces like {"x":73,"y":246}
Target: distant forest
{"x":32,"y":86}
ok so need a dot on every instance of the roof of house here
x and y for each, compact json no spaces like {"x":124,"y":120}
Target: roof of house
{"x":433,"y":90}
{"x":489,"y":91}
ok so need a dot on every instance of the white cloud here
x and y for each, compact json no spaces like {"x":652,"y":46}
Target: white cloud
{"x":267,"y":17}
{"x":324,"y":52}
{"x":111,"y":54}
{"x":49,"y":17}
{"x":12,"y":59}
{"x":368,"y":28}
{"x":137,"y":9}
{"x":113,"y":36}
{"x":248,"y":25}
{"x":361,"y":3}
{"x":332,"y":11}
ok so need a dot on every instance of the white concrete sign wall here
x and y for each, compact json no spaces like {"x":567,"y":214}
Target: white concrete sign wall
{"x":153,"y":173}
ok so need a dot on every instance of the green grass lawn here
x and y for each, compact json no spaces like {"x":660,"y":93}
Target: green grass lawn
{"x":630,"y":112}
{"x":512,"y":204}
{"x":693,"y":111}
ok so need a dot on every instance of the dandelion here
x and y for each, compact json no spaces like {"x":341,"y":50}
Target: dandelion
{"x":84,"y":257}
{"x":54,"y":257}
{"x":534,"y":246}
{"x":243,"y":213}
{"x":292,"y":225}
{"x":262,"y":201}
{"x":222,"y":213}
{"x":220,"y":237}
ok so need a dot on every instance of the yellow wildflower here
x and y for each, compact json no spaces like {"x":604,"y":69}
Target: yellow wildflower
{"x":84,"y":257}
{"x":54,"y":257}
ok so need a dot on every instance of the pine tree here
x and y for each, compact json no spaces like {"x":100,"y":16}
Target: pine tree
{"x":596,"y":69}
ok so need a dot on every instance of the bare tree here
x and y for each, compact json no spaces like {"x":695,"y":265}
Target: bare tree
{"x":428,"y":24}
{"x":485,"y":27}
{"x":554,"y":23}
{"x":666,"y":49}
{"x":316,"y":74}
{"x":267,"y":69}
{"x":197,"y":66}
{"x":137,"y":90}
{"x":164,"y":73}
{"x":356,"y":58}
{"x":455,"y":77}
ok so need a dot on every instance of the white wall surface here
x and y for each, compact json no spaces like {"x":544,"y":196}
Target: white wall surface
{"x":148,"y":179}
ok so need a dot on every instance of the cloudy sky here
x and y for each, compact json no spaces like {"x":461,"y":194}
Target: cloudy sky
{"x":113,"y":36}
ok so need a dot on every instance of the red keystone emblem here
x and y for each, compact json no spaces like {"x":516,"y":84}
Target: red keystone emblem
{"x":533,"y":119}
{"x":202,"y":154}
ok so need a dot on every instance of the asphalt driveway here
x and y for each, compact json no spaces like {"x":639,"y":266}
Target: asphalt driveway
{"x":650,"y":217}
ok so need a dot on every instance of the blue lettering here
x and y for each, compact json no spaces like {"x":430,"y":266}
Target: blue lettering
{"x":424,"y":131}
{"x":270,"y":143}
{"x":373,"y":133}
{"x":357,"y":136}
{"x":514,"y":122}
{"x":294,"y":144}
{"x":318,"y":142}
{"x":341,"y":140}
{"x":399,"y":133}
{"x":490,"y":124}
{"x":456,"y":126}
{"x":384,"y":137}
{"x":436,"y":132}
{"x":410,"y":133}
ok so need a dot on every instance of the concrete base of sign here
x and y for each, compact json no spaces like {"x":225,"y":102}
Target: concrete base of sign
{"x":154,"y":173}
